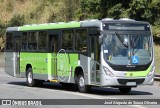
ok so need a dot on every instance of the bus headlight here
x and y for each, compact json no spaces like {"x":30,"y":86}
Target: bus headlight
{"x":151,"y":71}
{"x":107,"y":71}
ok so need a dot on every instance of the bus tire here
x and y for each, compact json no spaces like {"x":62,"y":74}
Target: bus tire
{"x":125,"y":90}
{"x":30,"y":81}
{"x":81,"y":84}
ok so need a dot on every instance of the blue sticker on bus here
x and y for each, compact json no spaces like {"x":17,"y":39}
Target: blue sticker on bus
{"x":135,"y":60}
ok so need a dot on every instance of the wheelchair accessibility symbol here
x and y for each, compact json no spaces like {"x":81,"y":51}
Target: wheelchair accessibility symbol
{"x":135,"y":60}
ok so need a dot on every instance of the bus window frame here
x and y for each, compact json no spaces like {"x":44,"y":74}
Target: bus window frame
{"x":46,"y":50}
{"x":86,"y":40}
{"x":73,"y":41}
{"x":89,"y":33}
{"x":6,"y":50}
{"x":28,"y":42}
{"x":54,"y":32}
{"x":35,"y":51}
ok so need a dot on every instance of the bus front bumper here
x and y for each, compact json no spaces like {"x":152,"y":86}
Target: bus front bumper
{"x":127,"y":81}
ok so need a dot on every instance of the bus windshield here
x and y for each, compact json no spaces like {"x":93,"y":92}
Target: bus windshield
{"x":127,"y":49}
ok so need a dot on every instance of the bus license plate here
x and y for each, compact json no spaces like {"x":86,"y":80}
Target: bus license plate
{"x":131,"y":83}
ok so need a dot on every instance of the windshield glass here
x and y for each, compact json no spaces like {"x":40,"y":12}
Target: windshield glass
{"x":127,"y":49}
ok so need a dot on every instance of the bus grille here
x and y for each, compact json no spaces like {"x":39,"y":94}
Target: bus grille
{"x":124,"y":81}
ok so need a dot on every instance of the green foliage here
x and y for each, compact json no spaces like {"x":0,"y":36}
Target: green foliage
{"x":2,"y":32}
{"x":89,"y":9}
{"x":36,"y":14}
{"x":17,"y":20}
{"x":115,"y":11}
{"x":142,"y":10}
{"x":9,"y":6}
{"x":67,"y":10}
{"x":2,"y":28}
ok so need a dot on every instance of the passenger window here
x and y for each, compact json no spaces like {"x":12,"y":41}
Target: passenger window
{"x":42,"y":41}
{"x":9,"y":42}
{"x":81,"y":40}
{"x":67,"y":40}
{"x":32,"y":41}
{"x":24,"y":42}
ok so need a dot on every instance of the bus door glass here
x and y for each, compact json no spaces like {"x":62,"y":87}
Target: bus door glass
{"x":9,"y":54}
{"x":95,"y":59}
{"x":54,"y":50}
{"x":17,"y":48}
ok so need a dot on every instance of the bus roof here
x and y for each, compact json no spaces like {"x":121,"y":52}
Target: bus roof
{"x":71,"y":24}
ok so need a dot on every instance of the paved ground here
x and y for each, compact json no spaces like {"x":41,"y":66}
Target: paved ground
{"x":15,"y":88}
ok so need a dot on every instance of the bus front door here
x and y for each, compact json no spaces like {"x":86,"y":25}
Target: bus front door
{"x":95,"y":60}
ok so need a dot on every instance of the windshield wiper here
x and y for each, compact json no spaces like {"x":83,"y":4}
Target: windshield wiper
{"x":122,"y":40}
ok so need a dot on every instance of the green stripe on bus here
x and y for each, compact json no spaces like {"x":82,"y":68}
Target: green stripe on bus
{"x":47,"y":63}
{"x":38,"y":61}
{"x":138,"y":73}
{"x":49,"y":26}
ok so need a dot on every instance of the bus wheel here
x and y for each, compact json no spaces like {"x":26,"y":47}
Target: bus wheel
{"x":30,"y":81}
{"x":125,"y":89}
{"x":81,"y":84}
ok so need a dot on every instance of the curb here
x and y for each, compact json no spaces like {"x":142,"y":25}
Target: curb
{"x":156,"y":80}
{"x":157,"y":77}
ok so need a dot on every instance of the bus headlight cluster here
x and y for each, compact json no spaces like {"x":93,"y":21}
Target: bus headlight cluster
{"x":151,"y":71}
{"x":107,"y":71}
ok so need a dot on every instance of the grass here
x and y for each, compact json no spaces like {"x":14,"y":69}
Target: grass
{"x":157,"y":58}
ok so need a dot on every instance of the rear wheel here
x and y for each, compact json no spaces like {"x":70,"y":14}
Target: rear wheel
{"x":30,"y":81}
{"x":81,"y":84}
{"x":125,"y":90}
{"x":33,"y":82}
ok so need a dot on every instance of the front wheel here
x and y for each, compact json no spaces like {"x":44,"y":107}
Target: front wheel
{"x":125,"y":90}
{"x":81,"y":84}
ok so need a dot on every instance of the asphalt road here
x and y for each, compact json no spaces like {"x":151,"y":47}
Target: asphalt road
{"x":15,"y":88}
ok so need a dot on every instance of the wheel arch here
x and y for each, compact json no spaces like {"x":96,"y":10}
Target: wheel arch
{"x":27,"y":67}
{"x":78,"y":70}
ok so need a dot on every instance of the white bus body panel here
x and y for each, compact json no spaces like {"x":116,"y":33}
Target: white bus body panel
{"x":10,"y":63}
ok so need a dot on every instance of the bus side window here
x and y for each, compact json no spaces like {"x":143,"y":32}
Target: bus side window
{"x":42,"y":41}
{"x":9,"y":42}
{"x":67,"y":40}
{"x":81,"y":40}
{"x":32,"y":41}
{"x":24,"y":41}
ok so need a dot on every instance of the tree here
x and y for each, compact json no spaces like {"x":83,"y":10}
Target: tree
{"x":89,"y":9}
{"x":64,"y":11}
{"x":17,"y":20}
{"x":2,"y":28}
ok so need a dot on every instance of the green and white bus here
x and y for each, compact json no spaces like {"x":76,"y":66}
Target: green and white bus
{"x":106,"y":53}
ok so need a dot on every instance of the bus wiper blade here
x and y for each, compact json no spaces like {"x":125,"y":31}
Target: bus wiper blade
{"x":122,"y":40}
